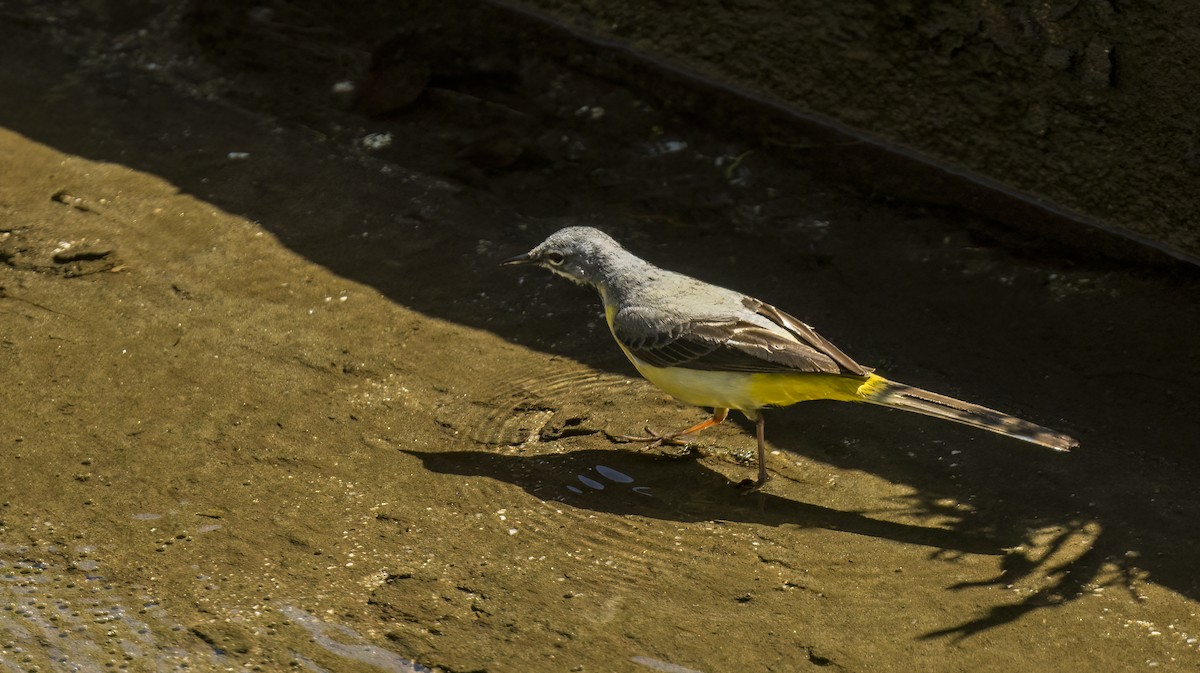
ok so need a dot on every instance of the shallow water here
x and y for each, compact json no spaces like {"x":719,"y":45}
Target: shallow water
{"x":287,"y":412}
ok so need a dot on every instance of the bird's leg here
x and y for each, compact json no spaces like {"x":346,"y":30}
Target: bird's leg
{"x":673,"y":439}
{"x":748,"y":486}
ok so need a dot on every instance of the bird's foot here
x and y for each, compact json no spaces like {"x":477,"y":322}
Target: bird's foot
{"x":653,"y":439}
{"x":748,"y":486}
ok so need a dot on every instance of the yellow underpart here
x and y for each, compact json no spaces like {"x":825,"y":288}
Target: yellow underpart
{"x":746,"y":391}
{"x":780,"y":390}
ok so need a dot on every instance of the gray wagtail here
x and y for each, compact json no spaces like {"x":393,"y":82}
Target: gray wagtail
{"x":712,"y":347}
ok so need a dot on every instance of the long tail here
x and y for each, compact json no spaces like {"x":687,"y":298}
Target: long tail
{"x":878,"y":390}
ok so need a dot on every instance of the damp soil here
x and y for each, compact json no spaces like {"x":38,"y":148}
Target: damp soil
{"x":270,"y":403}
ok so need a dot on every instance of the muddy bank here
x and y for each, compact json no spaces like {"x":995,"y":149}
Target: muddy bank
{"x":270,"y":403}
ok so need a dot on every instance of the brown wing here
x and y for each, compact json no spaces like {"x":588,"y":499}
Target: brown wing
{"x":721,"y":345}
{"x":808,"y":335}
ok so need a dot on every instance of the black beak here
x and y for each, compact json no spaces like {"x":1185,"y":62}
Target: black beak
{"x":522,"y":258}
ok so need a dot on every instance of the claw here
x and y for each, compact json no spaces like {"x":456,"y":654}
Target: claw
{"x":673,"y":439}
{"x":654,"y":439}
{"x":748,"y":486}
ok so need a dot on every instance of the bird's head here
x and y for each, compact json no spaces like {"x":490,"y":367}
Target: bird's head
{"x":582,"y":254}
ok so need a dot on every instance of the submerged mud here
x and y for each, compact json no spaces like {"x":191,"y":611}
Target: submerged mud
{"x":271,"y":403}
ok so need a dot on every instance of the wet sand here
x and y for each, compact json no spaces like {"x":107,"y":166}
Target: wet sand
{"x":270,"y":402}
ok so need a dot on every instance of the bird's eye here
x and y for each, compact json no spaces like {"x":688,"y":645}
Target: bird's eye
{"x":554,"y":258}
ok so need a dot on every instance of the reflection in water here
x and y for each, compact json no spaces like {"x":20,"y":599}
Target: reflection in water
{"x":360,"y":651}
{"x":55,"y":618}
{"x":615,"y":476}
{"x":61,"y":620}
{"x":662,"y":665}
{"x":588,"y":481}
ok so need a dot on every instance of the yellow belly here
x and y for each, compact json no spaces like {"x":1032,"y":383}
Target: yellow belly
{"x":746,"y":391}
{"x":722,"y":390}
{"x":749,"y":391}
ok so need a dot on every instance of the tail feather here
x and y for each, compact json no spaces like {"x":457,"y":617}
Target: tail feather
{"x":878,"y":390}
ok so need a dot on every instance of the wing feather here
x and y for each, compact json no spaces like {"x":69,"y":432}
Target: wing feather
{"x":806,"y":334}
{"x":733,"y":344}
